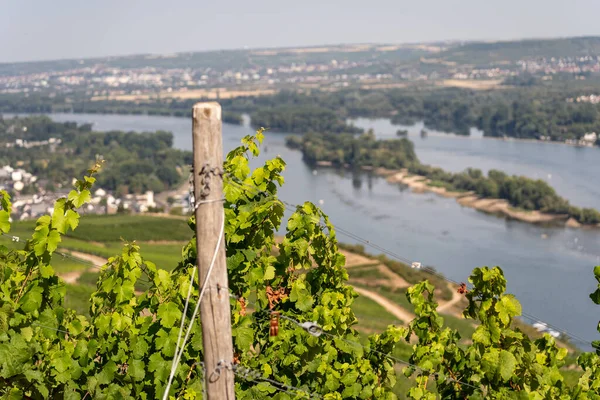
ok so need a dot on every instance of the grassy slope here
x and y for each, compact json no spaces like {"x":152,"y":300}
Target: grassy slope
{"x":111,"y":228}
{"x":160,"y":239}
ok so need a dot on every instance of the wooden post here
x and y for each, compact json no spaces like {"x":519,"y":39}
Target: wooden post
{"x":215,"y":310}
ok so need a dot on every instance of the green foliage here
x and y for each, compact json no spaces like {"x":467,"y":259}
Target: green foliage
{"x":520,"y":112}
{"x":346,"y":149}
{"x":232,"y":118}
{"x":501,"y":362}
{"x":39,"y":335}
{"x":5,"y":210}
{"x":126,"y":346}
{"x":301,"y":119}
{"x":136,"y":162}
{"x":125,"y":349}
{"x":309,"y":270}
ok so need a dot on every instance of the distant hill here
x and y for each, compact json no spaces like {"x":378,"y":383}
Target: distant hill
{"x":476,"y":53}
{"x":226,"y":59}
{"x":482,"y":53}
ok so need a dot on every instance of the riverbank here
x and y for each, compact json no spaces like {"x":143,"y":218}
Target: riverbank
{"x":474,"y":133}
{"x":420,"y":184}
{"x":524,"y":140}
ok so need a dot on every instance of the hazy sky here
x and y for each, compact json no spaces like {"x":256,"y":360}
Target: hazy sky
{"x":53,"y":29}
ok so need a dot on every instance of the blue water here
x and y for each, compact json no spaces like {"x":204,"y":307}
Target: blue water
{"x":572,"y":171}
{"x":548,"y":269}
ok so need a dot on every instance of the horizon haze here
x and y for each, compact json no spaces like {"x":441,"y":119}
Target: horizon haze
{"x":43,"y":31}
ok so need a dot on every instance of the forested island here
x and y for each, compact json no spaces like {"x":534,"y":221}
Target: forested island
{"x":364,"y":151}
{"x":301,"y":119}
{"x":232,"y":118}
{"x":55,"y":152}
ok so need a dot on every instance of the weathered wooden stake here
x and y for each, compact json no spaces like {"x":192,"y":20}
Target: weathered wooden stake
{"x":215,"y":310}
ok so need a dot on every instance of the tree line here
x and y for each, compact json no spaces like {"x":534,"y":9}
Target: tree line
{"x":300,"y":119}
{"x":521,"y":112}
{"x":136,"y":162}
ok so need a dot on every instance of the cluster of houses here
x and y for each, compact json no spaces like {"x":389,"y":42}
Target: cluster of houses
{"x":15,"y":179}
{"x":587,"y":140}
{"x":181,"y":201}
{"x":52,"y":142}
{"x":136,"y":203}
{"x":592,"y":99}
{"x":35,"y":202}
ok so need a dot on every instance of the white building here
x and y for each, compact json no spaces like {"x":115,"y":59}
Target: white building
{"x":16,"y":176}
{"x":590,"y":137}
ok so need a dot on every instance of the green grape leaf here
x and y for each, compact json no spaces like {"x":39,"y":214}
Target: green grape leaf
{"x":124,"y":291}
{"x":301,"y":296}
{"x":40,"y":239}
{"x":4,"y":221}
{"x":59,"y":220}
{"x":168,"y":314}
{"x":32,"y":299}
{"x":507,"y":363}
{"x":27,"y":333}
{"x":269,"y":272}
{"x":166,"y":341}
{"x":244,"y":337}
{"x":158,"y":365}
{"x":481,"y":335}
{"x":508,"y":307}
{"x":53,"y":240}
{"x":80,"y":198}
{"x":81,"y":349}
{"x":490,"y":361}
{"x":15,"y":394}
{"x":139,"y":347}
{"x":137,"y":370}
{"x":46,"y":271}
{"x":72,"y":219}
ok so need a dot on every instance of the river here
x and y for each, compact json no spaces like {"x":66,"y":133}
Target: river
{"x":570,"y":170}
{"x":548,"y":269}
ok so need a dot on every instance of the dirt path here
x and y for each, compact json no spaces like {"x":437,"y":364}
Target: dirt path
{"x":73,"y":277}
{"x":456,"y":298}
{"x":354,"y":260}
{"x":395,"y":280}
{"x":390,"y":307}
